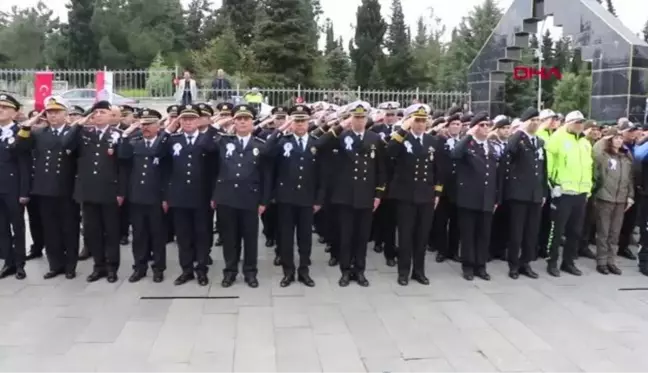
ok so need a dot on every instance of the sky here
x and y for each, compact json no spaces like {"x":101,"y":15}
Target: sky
{"x":343,"y":12}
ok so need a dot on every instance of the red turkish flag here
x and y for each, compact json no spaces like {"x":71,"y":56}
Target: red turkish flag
{"x":42,"y":88}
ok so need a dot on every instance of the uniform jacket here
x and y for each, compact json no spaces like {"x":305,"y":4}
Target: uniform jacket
{"x":477,"y":176}
{"x":243,"y":180}
{"x":297,"y":170}
{"x":613,"y":174}
{"x":360,"y":167}
{"x":101,"y":175}
{"x":148,"y":168}
{"x":15,"y":163}
{"x":446,"y":173}
{"x":415,"y":168}
{"x":525,"y":169}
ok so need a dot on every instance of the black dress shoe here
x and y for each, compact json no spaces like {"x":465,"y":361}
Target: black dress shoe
{"x":455,"y":258}
{"x":252,"y":281}
{"x":361,"y":280}
{"x":34,"y":254}
{"x":287,"y":280}
{"x":228,"y":280}
{"x":643,"y":271}
{"x":321,"y":240}
{"x":528,"y":271}
{"x":614,"y":269}
{"x":20,"y":274}
{"x":270,"y":243}
{"x":84,"y":254}
{"x":277,"y":261}
{"x":585,"y":252}
{"x":305,"y":279}
{"x":112,"y":277}
{"x":430,"y":249}
{"x":421,"y":279}
{"x":571,"y":269}
{"x":514,"y":274}
{"x":184,"y":278}
{"x":391,"y":262}
{"x":344,"y":280}
{"x":123,"y":241}
{"x":218,"y":242}
{"x":378,"y":248}
{"x":95,"y":276}
{"x":402,"y":280}
{"x":553,"y":271}
{"x":70,"y":275}
{"x":327,"y":249}
{"x":158,"y":276}
{"x":52,"y":274}
{"x":468,"y":276}
{"x":7,"y":271}
{"x":481,"y":273}
{"x":332,"y":262}
{"x":136,"y":276}
{"x":202,"y":279}
{"x":440,"y":258}
{"x":602,"y":269}
{"x":627,"y":253}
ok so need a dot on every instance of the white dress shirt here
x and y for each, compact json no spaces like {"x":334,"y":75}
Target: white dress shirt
{"x":245,"y":140}
{"x":304,"y":140}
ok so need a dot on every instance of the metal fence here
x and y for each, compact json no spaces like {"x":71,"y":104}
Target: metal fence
{"x":159,"y":86}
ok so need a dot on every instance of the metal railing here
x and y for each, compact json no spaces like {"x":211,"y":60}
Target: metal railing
{"x":158,"y":86}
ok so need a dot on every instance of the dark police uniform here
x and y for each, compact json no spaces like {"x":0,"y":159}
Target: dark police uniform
{"x":499,"y":232}
{"x":224,"y":110}
{"x":172,"y":112}
{"x":124,"y":209}
{"x":296,"y":184}
{"x":35,"y":219}
{"x":146,"y":189}
{"x":53,"y":184}
{"x":524,"y":190}
{"x":242,"y":185}
{"x":15,"y":175}
{"x":477,"y":197}
{"x":413,"y":187}
{"x":211,"y":163}
{"x":361,"y":180}
{"x":101,"y":178}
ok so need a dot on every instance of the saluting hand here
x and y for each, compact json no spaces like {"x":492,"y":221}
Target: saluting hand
{"x":120,"y":201}
{"x":33,"y":120}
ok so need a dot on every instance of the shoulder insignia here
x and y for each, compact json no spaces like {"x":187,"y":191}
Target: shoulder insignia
{"x":259,"y":139}
{"x":176,"y":134}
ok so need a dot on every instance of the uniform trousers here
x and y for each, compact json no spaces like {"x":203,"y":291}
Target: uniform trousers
{"x":295,"y":219}
{"x":124,"y":219}
{"x":567,"y":214}
{"x":236,"y":224}
{"x":445,"y":228}
{"x":545,"y":228}
{"x":332,"y":228}
{"x":191,"y":235}
{"x":36,"y":228}
{"x":414,"y":224}
{"x":101,"y":232}
{"x":12,"y":242}
{"x":355,"y":230}
{"x":474,"y":232}
{"x":149,"y":236}
{"x":589,"y":225}
{"x":384,"y":225}
{"x":269,"y":219}
{"x":523,"y":227}
{"x":61,"y":230}
{"x":629,"y":222}
{"x":609,"y":219}
{"x":499,"y":232}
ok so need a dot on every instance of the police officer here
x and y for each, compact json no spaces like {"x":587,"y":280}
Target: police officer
{"x":186,"y":195}
{"x":75,"y":113}
{"x":477,"y":196}
{"x":413,"y":187}
{"x":172,"y":113}
{"x":14,"y":189}
{"x":211,"y":163}
{"x":224,"y":111}
{"x":146,"y":188}
{"x":296,"y":183}
{"x":127,"y":117}
{"x":33,"y":207}
{"x":358,"y":190}
{"x":498,"y":138}
{"x":100,"y":186}
{"x":241,"y":194}
{"x":384,"y":222}
{"x":525,"y":190}
{"x":53,"y":184}
{"x":128,"y":114}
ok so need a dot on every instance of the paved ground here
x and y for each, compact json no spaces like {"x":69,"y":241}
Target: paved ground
{"x":566,"y":324}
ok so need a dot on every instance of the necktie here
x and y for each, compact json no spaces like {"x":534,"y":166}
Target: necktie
{"x":300,"y":142}
{"x":190,"y":140}
{"x":241,"y":143}
{"x":420,"y":139}
{"x":148,"y":143}
{"x":533,"y":142}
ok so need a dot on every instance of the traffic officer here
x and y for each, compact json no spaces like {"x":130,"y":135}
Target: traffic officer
{"x":15,"y":175}
{"x":477,"y":196}
{"x":53,"y":185}
{"x":241,"y":194}
{"x":525,"y":190}
{"x":146,"y":188}
{"x":186,"y":195}
{"x":384,"y":221}
{"x":296,"y":183}
{"x":358,"y":190}
{"x":100,"y":186}
{"x":413,"y":188}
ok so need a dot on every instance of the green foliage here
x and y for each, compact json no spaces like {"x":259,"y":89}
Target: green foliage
{"x":645,"y":32}
{"x":610,"y":7}
{"x":158,"y":83}
{"x":366,"y":49}
{"x":398,"y":72}
{"x":573,"y":93}
{"x":83,"y":51}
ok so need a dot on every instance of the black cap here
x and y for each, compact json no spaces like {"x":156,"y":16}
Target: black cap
{"x":501,"y":122}
{"x":438,"y":121}
{"x":454,"y":110}
{"x":436,"y":114}
{"x":9,"y":101}
{"x":206,"y":110}
{"x":149,"y":115}
{"x":190,"y":110}
{"x":224,"y":107}
{"x":466,"y":118}
{"x":280,"y":111}
{"x":529,"y":113}
{"x":300,"y":111}
{"x":127,"y":109}
{"x":76,"y":110}
{"x":478,"y":118}
{"x":244,"y":110}
{"x":101,"y":105}
{"x":173,"y":110}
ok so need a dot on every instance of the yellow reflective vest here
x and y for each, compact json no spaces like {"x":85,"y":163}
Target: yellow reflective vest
{"x":569,"y":162}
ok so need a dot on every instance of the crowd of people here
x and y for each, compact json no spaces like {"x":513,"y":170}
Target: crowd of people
{"x":412,"y":180}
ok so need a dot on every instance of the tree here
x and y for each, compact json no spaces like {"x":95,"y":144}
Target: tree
{"x":158,"y":83}
{"x":220,"y":53}
{"x":548,"y":60}
{"x":366,"y":47}
{"x":645,"y":32}
{"x":610,"y":7}
{"x":331,"y":43}
{"x":398,"y":72}
{"x":82,"y":42}
{"x":338,"y":68}
{"x":198,"y":13}
{"x":572,"y":93}
{"x":241,"y":16}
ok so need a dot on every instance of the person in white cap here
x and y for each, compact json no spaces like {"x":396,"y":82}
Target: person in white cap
{"x":569,"y":170}
{"x":549,"y":122}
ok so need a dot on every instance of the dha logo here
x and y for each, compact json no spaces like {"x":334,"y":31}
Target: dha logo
{"x":530,"y":72}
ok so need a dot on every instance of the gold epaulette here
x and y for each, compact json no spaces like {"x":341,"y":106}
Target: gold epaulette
{"x":24,"y":133}
{"x":439,"y":188}
{"x":397,"y":137}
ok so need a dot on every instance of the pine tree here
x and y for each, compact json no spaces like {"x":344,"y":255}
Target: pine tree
{"x":337,"y":68}
{"x":241,"y":15}
{"x":369,"y":33}
{"x":548,"y":60}
{"x":83,"y":47}
{"x":610,"y":7}
{"x":195,"y":24}
{"x":645,"y":32}
{"x":421,"y":38}
{"x":398,"y":67}
{"x":331,"y":43}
